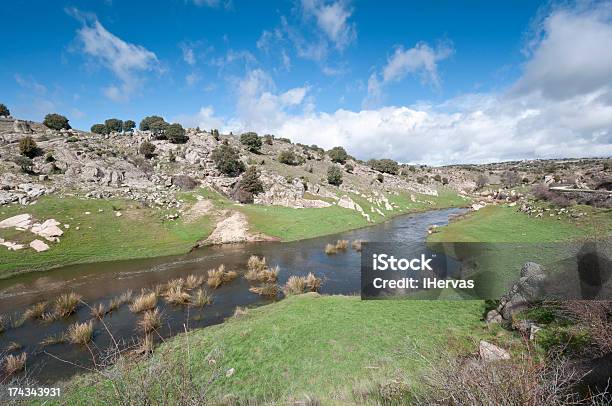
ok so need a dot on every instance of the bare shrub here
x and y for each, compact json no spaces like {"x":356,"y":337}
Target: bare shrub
{"x":14,"y":363}
{"x":66,"y":304}
{"x":596,"y":318}
{"x":542,"y":192}
{"x":145,"y":301}
{"x":80,"y":333}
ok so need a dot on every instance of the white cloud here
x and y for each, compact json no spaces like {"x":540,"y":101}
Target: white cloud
{"x":125,"y":60}
{"x":192,"y":78}
{"x":188,"y":54}
{"x":421,"y":59}
{"x":572,"y":53}
{"x":333,"y":19}
{"x":205,"y":119}
{"x":30,"y":83}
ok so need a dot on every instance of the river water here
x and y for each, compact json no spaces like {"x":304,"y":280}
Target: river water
{"x":100,"y":282}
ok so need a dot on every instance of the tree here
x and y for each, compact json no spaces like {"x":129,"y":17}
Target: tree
{"x":4,"y":111}
{"x":380,"y":178}
{"x":24,"y":163}
{"x":145,"y":123}
{"x":334,"y":175}
{"x":158,"y":128}
{"x":338,"y":155}
{"x":28,"y":147}
{"x":56,"y":122}
{"x":349,"y":168}
{"x":176,"y":133}
{"x":147,"y":149}
{"x":227,"y":160}
{"x":252,"y":141}
{"x":128,"y":125}
{"x":113,"y":124}
{"x":268,"y":139}
{"x":249,"y":186}
{"x":384,"y":165}
{"x":287,"y":157}
{"x":98,"y":129}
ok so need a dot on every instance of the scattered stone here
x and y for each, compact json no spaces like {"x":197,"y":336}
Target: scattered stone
{"x":39,"y":246}
{"x":23,"y":221}
{"x":118,"y":214}
{"x":491,"y":353}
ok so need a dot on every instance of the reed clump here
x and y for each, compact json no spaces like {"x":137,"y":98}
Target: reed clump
{"x":35,"y":311}
{"x":80,"y":333}
{"x":342,"y":245}
{"x":356,"y":245}
{"x":201,"y":298}
{"x":219,"y":276}
{"x":98,"y":311}
{"x":151,"y":321}
{"x":145,"y":301}
{"x":193,"y":281}
{"x":51,"y":340}
{"x":256,"y":263}
{"x":267,"y":289}
{"x":297,"y":285}
{"x":177,"y":296}
{"x":14,"y":363}
{"x":66,"y":304}
{"x":331,"y":249}
{"x":117,"y":302}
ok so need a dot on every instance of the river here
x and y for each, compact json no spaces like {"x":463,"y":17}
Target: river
{"x":100,"y":282}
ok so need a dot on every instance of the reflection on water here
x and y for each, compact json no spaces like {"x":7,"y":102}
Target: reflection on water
{"x":100,"y":282}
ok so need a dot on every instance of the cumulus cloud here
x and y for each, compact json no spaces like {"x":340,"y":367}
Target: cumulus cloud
{"x":205,"y":118}
{"x":125,"y":60}
{"x":571,"y":54}
{"x":332,"y":18}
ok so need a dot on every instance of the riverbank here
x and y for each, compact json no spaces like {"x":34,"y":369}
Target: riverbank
{"x":335,"y":349}
{"x":98,"y":230}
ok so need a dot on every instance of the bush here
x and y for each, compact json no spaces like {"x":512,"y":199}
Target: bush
{"x":4,"y":111}
{"x":349,"y":168}
{"x":145,"y":123}
{"x":98,"y":129}
{"x":28,"y":147}
{"x":56,"y":122}
{"x":438,"y":178}
{"x":334,"y":175}
{"x":380,"y":178}
{"x":287,"y":157}
{"x":251,"y":141}
{"x":482,"y":181}
{"x":129,"y":125}
{"x":147,"y":149}
{"x":338,"y":155}
{"x":542,"y":192}
{"x":249,"y":185}
{"x":113,"y":124}
{"x":215,"y":134}
{"x":24,"y":163}
{"x":176,"y":133}
{"x":227,"y":160}
{"x":445,"y":181}
{"x":384,"y":165}
{"x":268,"y":139}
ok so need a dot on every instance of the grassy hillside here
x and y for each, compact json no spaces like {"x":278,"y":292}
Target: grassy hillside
{"x":331,"y":348}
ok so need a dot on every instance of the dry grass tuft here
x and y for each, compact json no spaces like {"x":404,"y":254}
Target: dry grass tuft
{"x":342,"y":245}
{"x":256,"y":263}
{"x":145,"y":346}
{"x":12,"y":346}
{"x":295,"y":285}
{"x":35,"y":311}
{"x":145,"y":301}
{"x":151,"y":321}
{"x":267,"y":289}
{"x":51,"y":340}
{"x":193,"y":281}
{"x":66,"y":304}
{"x":14,"y":363}
{"x":80,"y":333}
{"x":2,"y":323}
{"x":117,"y":302}
{"x":177,"y":296}
{"x":312,"y":282}
{"x":175,"y":284}
{"x":215,"y":277}
{"x":98,"y":311}
{"x":356,"y":245}
{"x":201,"y":298}
{"x":229,"y":276}
{"x":331,"y":249}
{"x":240,"y":311}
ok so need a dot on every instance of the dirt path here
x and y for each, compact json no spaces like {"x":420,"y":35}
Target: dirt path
{"x":234,"y":228}
{"x":199,"y":209}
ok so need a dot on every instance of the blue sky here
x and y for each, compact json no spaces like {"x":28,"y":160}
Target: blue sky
{"x":418,"y":81}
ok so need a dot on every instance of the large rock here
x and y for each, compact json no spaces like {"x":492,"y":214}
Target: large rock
{"x":39,"y":246}
{"x":490,"y":352}
{"x":19,"y":221}
{"x":48,"y":230}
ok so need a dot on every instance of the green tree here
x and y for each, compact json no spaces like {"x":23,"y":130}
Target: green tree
{"x":338,"y":155}
{"x":334,"y":175}
{"x":252,"y":141}
{"x":128,"y":125}
{"x":4,"y":111}
{"x":384,"y":165}
{"x":176,"y":133}
{"x":56,"y":122}
{"x":99,"y":129}
{"x":113,"y":124}
{"x":145,"y":123}
{"x":380,"y":177}
{"x":287,"y":157}
{"x":28,"y":147}
{"x":227,"y":160}
{"x":147,"y":149}
{"x":249,"y":186}
{"x":24,"y":163}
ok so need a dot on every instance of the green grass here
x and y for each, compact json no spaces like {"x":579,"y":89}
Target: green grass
{"x":323,"y":346}
{"x":102,"y":236}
